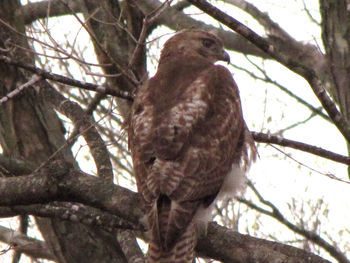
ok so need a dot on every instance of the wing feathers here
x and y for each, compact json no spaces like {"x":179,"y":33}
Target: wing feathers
{"x":172,"y":131}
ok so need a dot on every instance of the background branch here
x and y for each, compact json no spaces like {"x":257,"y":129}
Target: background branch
{"x":291,"y":62}
{"x":68,"y":81}
{"x":47,"y":8}
{"x":266,"y":138}
{"x":24,"y":244}
{"x":310,"y":235}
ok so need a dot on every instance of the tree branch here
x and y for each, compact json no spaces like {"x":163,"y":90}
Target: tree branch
{"x":177,"y":20}
{"x":262,"y":137}
{"x":16,"y":166}
{"x":73,"y":212}
{"x":173,"y":18}
{"x":310,"y":235}
{"x":24,"y":244}
{"x":59,"y":182}
{"x":68,"y":81}
{"x":44,"y":9}
{"x":291,"y":62}
{"x":130,"y":247}
{"x":34,"y":79}
{"x":232,"y":247}
{"x":267,"y":79}
{"x":85,"y":125}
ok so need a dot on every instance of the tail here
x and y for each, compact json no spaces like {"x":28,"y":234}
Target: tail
{"x":173,"y":231}
{"x":181,"y":252}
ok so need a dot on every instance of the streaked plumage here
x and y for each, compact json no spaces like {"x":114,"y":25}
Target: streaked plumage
{"x":188,"y":140}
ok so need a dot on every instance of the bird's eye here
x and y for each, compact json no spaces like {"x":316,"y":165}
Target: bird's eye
{"x":207,"y":42}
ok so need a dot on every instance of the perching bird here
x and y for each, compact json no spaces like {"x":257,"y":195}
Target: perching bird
{"x":189,"y":142}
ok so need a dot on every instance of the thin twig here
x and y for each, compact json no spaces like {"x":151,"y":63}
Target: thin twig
{"x":147,"y":22}
{"x":310,"y":235}
{"x":308,"y":13}
{"x":128,"y":74}
{"x":295,"y":124}
{"x":329,"y":175}
{"x":35,"y":78}
{"x":268,"y":79}
{"x":44,"y":44}
{"x":69,"y":81}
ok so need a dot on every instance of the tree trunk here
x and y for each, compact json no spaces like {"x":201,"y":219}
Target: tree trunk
{"x":336,"y":39}
{"x":31,"y":130}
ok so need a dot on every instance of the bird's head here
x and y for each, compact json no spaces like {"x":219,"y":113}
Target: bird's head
{"x":195,"y":43}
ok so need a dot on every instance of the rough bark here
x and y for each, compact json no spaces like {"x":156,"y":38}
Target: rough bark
{"x":336,"y":39}
{"x":67,"y":184}
{"x":114,"y":45}
{"x":31,"y":130}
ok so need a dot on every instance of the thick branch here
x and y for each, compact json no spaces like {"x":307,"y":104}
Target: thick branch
{"x":232,"y":247}
{"x":130,"y":247}
{"x":33,"y":11}
{"x":335,"y":35}
{"x":177,"y":20}
{"x":73,"y":212}
{"x":59,"y":182}
{"x":85,"y":125}
{"x":78,"y":213}
{"x":173,"y":18}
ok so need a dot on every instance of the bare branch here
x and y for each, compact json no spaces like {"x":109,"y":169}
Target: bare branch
{"x":47,"y":8}
{"x":15,"y":92}
{"x":73,"y":212}
{"x":173,"y":18}
{"x":24,"y":244}
{"x":180,"y":5}
{"x":131,"y":249}
{"x":147,"y":22}
{"x":262,"y":137}
{"x":310,"y":235}
{"x":272,"y":28}
{"x":69,"y":81}
{"x":310,"y":16}
{"x":231,"y":247}
{"x":268,"y":79}
{"x":177,"y":20}
{"x":85,"y":125}
{"x":295,"y":124}
{"x":59,"y":182}
{"x":127,"y":73}
{"x":293,"y":63}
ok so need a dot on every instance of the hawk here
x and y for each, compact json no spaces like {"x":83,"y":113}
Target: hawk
{"x":189,"y":142}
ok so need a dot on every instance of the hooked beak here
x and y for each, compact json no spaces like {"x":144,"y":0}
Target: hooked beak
{"x":225,"y":57}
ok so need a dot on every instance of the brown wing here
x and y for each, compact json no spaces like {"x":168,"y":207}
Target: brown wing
{"x":204,"y":128}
